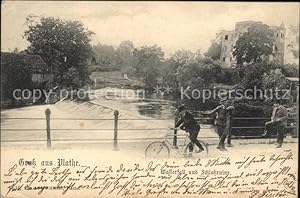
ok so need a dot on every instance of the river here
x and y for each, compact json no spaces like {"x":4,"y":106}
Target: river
{"x":136,"y":102}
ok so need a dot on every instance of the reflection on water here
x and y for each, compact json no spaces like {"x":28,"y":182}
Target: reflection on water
{"x":157,"y":109}
{"x":151,"y":110}
{"x":135,"y":101}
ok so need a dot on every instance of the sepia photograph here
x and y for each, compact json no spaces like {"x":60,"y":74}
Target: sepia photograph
{"x":149,"y":99}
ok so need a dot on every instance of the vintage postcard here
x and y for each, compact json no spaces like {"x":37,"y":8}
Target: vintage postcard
{"x":149,"y":99}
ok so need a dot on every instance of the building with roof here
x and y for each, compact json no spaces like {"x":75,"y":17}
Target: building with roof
{"x":20,"y":71}
{"x":33,"y":63}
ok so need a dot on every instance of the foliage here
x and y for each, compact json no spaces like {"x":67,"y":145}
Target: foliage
{"x":251,"y":52}
{"x":229,"y":76}
{"x":182,"y":57}
{"x":169,"y":73}
{"x":125,"y":56}
{"x":170,"y":66}
{"x":105,"y":56}
{"x":197,"y":56}
{"x":190,"y":75}
{"x":290,"y":70}
{"x":253,"y":74}
{"x":149,"y":61}
{"x":252,"y":108}
{"x":275,"y":80}
{"x":254,"y":45}
{"x":182,"y":61}
{"x":214,"y":51}
{"x":199,"y":74}
{"x":185,"y":69}
{"x":62,"y":44}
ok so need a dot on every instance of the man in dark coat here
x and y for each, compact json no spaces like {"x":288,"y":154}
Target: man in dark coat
{"x":221,"y":120}
{"x":188,"y":123}
{"x":228,"y":126}
{"x":278,"y":121}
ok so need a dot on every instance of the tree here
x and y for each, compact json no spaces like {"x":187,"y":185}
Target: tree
{"x":254,"y":45}
{"x":253,"y":74}
{"x":149,"y":60}
{"x":169,"y":75}
{"x":63,"y":45}
{"x":125,"y":56}
{"x":196,"y":76}
{"x":214,"y":51}
{"x":105,"y":55}
{"x":200,"y":74}
{"x":197,"y":56}
{"x":170,"y":66}
{"x":229,"y":76}
{"x":290,"y":70}
{"x":182,"y":57}
{"x":275,"y":80}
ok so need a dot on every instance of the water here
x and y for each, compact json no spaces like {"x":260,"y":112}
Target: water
{"x":135,"y":101}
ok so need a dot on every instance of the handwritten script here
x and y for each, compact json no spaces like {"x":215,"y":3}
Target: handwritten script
{"x":247,"y":176}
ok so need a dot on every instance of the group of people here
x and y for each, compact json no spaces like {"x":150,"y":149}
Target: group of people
{"x":223,"y":122}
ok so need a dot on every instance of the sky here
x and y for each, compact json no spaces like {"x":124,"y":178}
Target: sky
{"x":170,"y":25}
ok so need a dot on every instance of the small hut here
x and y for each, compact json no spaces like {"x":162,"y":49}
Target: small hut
{"x":22,"y":71}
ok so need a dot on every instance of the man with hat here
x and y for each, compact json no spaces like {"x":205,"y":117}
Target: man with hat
{"x":278,"y":121}
{"x":228,"y":125}
{"x":188,"y":123}
{"x":221,"y":120}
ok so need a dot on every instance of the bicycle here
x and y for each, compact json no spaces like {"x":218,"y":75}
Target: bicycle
{"x":161,"y":149}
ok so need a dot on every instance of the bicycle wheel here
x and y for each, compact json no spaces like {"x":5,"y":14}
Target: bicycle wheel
{"x":204,"y":145}
{"x":157,"y":149}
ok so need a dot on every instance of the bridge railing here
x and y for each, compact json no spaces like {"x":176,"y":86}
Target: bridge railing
{"x":116,"y":118}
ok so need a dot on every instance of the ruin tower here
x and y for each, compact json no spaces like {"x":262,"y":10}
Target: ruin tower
{"x":278,"y":48}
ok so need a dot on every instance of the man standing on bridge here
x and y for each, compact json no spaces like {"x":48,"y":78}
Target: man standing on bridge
{"x":229,"y":119}
{"x":223,"y":121}
{"x":188,"y":123}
